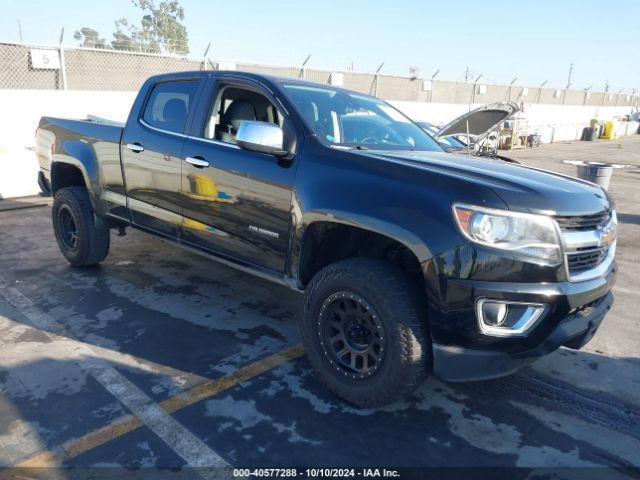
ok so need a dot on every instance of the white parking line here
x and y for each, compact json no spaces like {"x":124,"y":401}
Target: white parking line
{"x":193,"y":450}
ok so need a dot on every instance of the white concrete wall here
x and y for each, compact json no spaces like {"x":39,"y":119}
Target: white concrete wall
{"x":20,"y":111}
{"x":555,"y":123}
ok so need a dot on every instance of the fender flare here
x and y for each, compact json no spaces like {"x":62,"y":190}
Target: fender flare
{"x":364,"y":222}
{"x":82,"y":156}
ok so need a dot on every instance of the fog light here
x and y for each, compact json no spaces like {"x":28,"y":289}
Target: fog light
{"x":494,"y":313}
{"x":506,"y":319}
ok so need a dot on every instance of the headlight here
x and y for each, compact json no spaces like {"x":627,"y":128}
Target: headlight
{"x":528,"y":235}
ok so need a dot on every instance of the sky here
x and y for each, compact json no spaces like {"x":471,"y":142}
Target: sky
{"x":534,"y":41}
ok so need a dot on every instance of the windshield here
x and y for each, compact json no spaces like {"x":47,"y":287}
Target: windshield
{"x":347,"y":119}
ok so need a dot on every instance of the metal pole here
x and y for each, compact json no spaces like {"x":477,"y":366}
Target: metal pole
{"x":606,"y":90}
{"x":468,"y":140}
{"x":570,"y":75}
{"x":586,"y":93}
{"x":302,"y":69}
{"x":564,"y":94}
{"x":433,"y":77}
{"x":63,"y":68}
{"x":473,"y":92}
{"x":204,"y":57}
{"x":375,"y":80}
{"x":540,"y":89}
{"x":19,"y":30}
{"x":618,"y":96}
{"x":510,"y":87}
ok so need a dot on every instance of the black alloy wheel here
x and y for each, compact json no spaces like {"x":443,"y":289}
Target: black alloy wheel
{"x":82,"y":236}
{"x":68,"y":227}
{"x":351,"y":334}
{"x":364,"y":330}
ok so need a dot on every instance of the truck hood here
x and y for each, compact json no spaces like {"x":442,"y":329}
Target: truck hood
{"x":482,"y":120}
{"x":522,"y":188}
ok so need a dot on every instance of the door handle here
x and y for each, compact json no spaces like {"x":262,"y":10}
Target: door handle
{"x":135,"y":147}
{"x":197,"y":162}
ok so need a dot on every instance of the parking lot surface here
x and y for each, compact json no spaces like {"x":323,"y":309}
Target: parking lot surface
{"x":161,"y":358}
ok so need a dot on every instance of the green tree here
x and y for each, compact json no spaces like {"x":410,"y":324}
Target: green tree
{"x":160,"y":31}
{"x":162,"y":25}
{"x":130,"y":37}
{"x":88,"y":37}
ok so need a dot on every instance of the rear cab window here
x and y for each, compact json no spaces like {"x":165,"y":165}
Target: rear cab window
{"x":168,"y":105}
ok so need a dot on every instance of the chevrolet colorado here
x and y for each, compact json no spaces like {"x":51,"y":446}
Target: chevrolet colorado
{"x":411,"y":260}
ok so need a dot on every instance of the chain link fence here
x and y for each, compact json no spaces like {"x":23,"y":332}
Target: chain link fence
{"x":24,"y":66}
{"x":16,"y":71}
{"x":56,"y":68}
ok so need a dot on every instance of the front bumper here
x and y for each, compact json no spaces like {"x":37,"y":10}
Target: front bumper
{"x":461,"y":352}
{"x":456,"y":364}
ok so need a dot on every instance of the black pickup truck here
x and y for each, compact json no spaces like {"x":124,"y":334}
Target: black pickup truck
{"x":411,"y":260}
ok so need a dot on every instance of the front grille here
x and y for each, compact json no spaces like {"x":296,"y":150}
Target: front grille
{"x":584,"y":222}
{"x":582,"y":238}
{"x":585,"y":259}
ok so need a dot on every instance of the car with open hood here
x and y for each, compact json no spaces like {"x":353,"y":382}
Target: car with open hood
{"x":474,"y":132}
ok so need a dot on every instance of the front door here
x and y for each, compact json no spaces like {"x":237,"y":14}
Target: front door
{"x":151,"y":156}
{"x":235,"y":202}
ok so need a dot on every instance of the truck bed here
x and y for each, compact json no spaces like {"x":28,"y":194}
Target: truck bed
{"x":58,"y":137}
{"x":91,"y":128}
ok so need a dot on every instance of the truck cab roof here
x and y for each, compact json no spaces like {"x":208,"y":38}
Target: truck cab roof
{"x":259,"y":77}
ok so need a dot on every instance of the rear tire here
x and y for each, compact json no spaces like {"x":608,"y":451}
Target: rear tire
{"x":82,"y":237}
{"x":367,"y":308}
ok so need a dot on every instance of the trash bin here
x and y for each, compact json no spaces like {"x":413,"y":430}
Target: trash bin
{"x":590,"y":133}
{"x":595,"y":172}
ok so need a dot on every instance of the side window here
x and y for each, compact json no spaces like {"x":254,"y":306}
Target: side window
{"x":233,"y":105}
{"x":168,"y":105}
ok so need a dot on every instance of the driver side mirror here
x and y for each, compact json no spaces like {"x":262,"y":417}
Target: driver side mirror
{"x":262,"y":137}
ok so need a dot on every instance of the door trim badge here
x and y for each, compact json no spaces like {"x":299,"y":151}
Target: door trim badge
{"x":263,"y":231}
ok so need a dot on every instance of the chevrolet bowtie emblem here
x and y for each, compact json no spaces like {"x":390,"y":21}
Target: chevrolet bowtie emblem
{"x":607,"y":235}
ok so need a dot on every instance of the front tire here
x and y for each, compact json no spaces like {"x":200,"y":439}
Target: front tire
{"x":364,"y":331}
{"x":82,"y":237}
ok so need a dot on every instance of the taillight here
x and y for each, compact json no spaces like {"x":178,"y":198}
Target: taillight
{"x":50,"y":151}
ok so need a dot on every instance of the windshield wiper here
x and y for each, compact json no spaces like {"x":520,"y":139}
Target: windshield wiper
{"x":351,"y":147}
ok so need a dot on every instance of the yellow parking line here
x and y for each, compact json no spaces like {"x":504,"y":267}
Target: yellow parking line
{"x":128,"y":423}
{"x":74,"y":447}
{"x":213,"y":387}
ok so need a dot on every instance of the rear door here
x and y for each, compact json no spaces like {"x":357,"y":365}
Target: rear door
{"x":151,"y":153}
{"x":237,"y":203}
